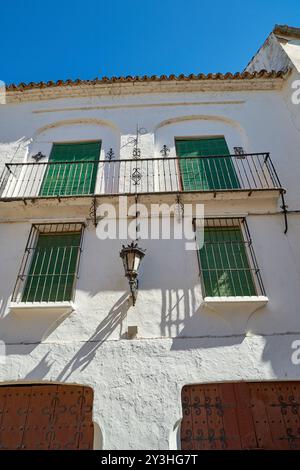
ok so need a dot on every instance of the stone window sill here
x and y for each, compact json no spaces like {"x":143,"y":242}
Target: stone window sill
{"x":247,"y":304}
{"x":51,"y":309}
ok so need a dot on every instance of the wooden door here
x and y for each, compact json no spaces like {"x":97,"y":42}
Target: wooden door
{"x":46,"y":417}
{"x":242,"y":415}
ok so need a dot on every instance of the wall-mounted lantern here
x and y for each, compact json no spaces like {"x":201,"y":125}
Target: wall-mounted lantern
{"x":131,"y":256}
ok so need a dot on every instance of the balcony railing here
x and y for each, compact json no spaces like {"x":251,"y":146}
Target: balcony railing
{"x":250,"y":172}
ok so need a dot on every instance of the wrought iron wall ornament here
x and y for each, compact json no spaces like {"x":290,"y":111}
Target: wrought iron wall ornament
{"x":165,"y":151}
{"x":93,"y":211}
{"x":136,"y":153}
{"x":132,"y":254}
{"x":239,"y":152}
{"x":136,"y":176}
{"x":38,"y":156}
{"x":142,"y":130}
{"x":110,"y":155}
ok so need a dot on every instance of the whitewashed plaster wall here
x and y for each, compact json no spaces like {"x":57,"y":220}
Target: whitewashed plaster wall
{"x":278,"y":53}
{"x":271,"y":56}
{"x":137,"y":384}
{"x":169,"y":301}
{"x":200,"y":126}
{"x":178,"y":341}
{"x":292,"y":50}
{"x":69,"y":131}
{"x":13,"y":152}
{"x":260,"y":119}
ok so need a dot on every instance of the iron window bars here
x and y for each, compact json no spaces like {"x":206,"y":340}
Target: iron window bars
{"x":248,"y":172}
{"x":50,"y":264}
{"x":227,"y":260}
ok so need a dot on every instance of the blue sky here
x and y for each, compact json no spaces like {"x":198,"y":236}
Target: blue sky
{"x":94,"y":38}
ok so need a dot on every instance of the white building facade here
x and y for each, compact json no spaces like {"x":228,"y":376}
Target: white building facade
{"x":153,"y":373}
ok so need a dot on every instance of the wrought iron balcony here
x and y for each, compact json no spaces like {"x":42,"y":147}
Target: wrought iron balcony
{"x":247,"y":172}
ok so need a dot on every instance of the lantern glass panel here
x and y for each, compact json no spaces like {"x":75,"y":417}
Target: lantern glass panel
{"x":137,"y":261}
{"x":130,"y":260}
{"x":124,"y":259}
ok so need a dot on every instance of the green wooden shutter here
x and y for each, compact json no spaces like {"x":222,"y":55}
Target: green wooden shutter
{"x":53,"y":268}
{"x":224,"y":263}
{"x":63,"y":179}
{"x":206,"y":173}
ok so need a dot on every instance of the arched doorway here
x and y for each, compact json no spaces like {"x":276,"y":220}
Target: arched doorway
{"x":245,"y":415}
{"x":46,"y":416}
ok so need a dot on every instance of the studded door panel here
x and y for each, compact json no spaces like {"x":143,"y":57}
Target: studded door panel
{"x":46,"y":417}
{"x":241,"y":416}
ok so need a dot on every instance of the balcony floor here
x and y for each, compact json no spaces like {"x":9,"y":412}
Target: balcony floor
{"x":236,"y":201}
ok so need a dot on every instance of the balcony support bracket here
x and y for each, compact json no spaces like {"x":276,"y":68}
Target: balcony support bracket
{"x":284,"y":208}
{"x":93,"y":211}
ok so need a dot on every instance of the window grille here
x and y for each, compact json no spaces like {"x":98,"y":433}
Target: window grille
{"x":227,"y":260}
{"x":50,"y":263}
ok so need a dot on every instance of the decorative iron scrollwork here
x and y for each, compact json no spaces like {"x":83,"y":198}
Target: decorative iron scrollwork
{"x":186,"y":406}
{"x":219,"y":407}
{"x":208,"y":406}
{"x":136,"y":176}
{"x":239,"y":152}
{"x":93,"y":211}
{"x":223,"y":438}
{"x":38,"y":156}
{"x":188,"y":436}
{"x":292,"y":438}
{"x":212,"y":437}
{"x":110,"y":155}
{"x":165,"y":151}
{"x":136,"y":153}
{"x":284,"y":405}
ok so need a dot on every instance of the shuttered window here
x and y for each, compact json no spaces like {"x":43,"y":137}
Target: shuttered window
{"x":64,"y":178}
{"x":206,"y":173}
{"x":224,"y":263}
{"x":53,"y":267}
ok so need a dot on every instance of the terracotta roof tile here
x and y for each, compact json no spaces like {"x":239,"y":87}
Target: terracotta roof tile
{"x":154,"y":78}
{"x":286,"y":30}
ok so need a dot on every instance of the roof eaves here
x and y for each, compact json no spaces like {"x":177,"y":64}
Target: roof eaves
{"x":262,"y":74}
{"x":285,"y":30}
